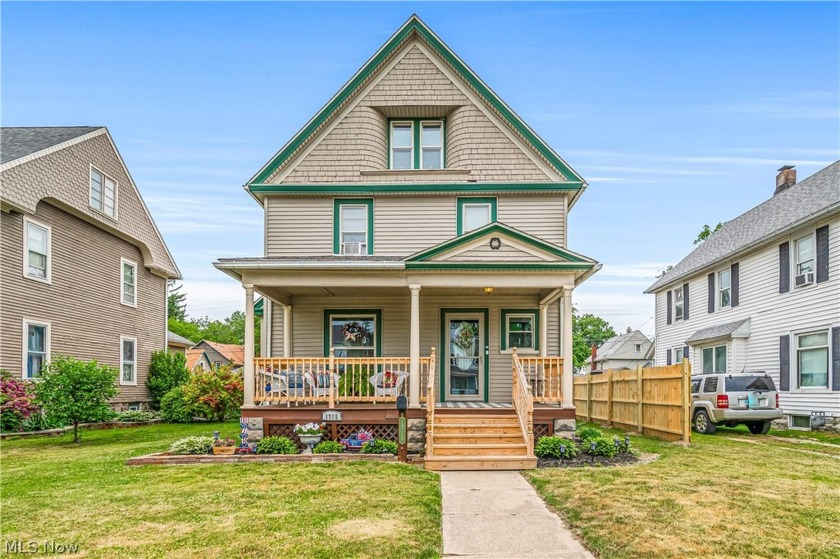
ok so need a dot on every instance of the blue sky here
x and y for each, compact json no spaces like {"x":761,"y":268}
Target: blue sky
{"x":677,"y":114}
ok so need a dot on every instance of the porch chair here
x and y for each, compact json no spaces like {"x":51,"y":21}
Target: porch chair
{"x":319,"y":383}
{"x":388,"y":383}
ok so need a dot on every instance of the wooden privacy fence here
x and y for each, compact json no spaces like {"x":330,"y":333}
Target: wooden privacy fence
{"x":654,"y":401}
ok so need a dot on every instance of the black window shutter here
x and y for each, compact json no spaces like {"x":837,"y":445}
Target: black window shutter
{"x":784,"y":267}
{"x":685,"y":301}
{"x":712,"y":292}
{"x":734,"y":273}
{"x":685,"y":352}
{"x":668,"y":358}
{"x":835,"y":359}
{"x":784,"y":362}
{"x":822,"y":254}
{"x":670,"y":309}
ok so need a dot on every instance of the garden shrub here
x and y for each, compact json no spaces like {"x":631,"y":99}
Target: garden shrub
{"x":379,"y":446}
{"x":17,"y":402}
{"x":328,"y":447}
{"x":192,"y":445}
{"x":215,"y":395}
{"x":137,"y":416}
{"x":40,"y":421}
{"x":555,"y":447}
{"x":166,"y":371}
{"x":588,"y":433}
{"x":276,"y":445}
{"x":174,"y":408}
{"x":603,"y":447}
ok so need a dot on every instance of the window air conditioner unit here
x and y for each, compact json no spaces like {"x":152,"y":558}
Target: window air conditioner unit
{"x":805,"y":279}
{"x":353,"y":248}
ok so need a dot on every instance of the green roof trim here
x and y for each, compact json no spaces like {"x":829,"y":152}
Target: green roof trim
{"x":412,"y":188}
{"x":497,"y":228}
{"x":412,"y":26}
{"x":497,"y":267}
{"x":258,"y":307}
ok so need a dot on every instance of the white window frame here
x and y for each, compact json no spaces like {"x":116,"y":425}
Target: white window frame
{"x":678,"y":350}
{"x":123,"y":263}
{"x":372,"y":317}
{"x":48,"y":272}
{"x":217,"y":365}
{"x":714,"y":349}
{"x":637,"y":348}
{"x":101,"y":208}
{"x":534,"y":339}
{"x":812,"y":238}
{"x":123,"y":361}
{"x":799,"y":428}
{"x":679,"y":304}
{"x":391,"y":126}
{"x":24,"y":370}
{"x":440,"y":124}
{"x":721,"y":289}
{"x":794,"y":360}
{"x":341,"y":231}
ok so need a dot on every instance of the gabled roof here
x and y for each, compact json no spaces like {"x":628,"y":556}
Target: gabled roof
{"x":617,"y":347}
{"x":736,"y":329}
{"x":807,"y":200}
{"x":194,"y":355}
{"x":20,"y":141}
{"x":414,"y":27}
{"x":232,"y":352}
{"x":174,"y":339}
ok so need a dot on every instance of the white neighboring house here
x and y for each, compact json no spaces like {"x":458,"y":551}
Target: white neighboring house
{"x":763,"y":293}
{"x":624,"y":351}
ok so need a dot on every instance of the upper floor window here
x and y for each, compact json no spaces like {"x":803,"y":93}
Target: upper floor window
{"x":37,"y":347}
{"x":724,"y":289}
{"x":637,"y":348}
{"x":714,"y":359}
{"x":353,"y":226}
{"x":679,"y":307}
{"x":103,"y":193}
{"x":416,"y":144}
{"x":812,"y":359}
{"x":128,"y":287}
{"x":36,"y":251}
{"x":804,"y":254}
{"x":128,"y":360}
{"x":474,"y":213}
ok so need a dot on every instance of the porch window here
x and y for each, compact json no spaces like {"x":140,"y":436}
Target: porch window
{"x":474,"y":213}
{"x":128,"y":360}
{"x":520,"y":329}
{"x":714,"y":359}
{"x":352,"y":333}
{"x":812,"y":359}
{"x":36,"y":251}
{"x":37,"y":352}
{"x":353,"y":226}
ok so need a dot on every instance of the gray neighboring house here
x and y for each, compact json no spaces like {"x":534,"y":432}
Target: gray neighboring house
{"x":178,"y":344}
{"x":624,"y":351}
{"x":84,"y":268}
{"x":763,"y":293}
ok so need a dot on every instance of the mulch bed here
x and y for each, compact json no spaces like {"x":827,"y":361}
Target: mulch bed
{"x":583,"y":460}
{"x":169,"y":459}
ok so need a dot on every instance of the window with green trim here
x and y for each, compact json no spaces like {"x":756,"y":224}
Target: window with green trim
{"x":416,"y":144}
{"x":520,"y":329}
{"x":353,"y":226}
{"x":352,"y":333}
{"x":474,"y":213}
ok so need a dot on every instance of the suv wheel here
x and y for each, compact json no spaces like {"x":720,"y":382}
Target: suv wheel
{"x":703,"y":423}
{"x":758,"y":427}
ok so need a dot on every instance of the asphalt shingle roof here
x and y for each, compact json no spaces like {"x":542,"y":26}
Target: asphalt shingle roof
{"x":809,"y":198}
{"x":714,"y":332}
{"x":172,"y":337}
{"x":17,"y":142}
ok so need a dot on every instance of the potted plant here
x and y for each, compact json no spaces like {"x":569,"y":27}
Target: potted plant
{"x":309,"y":433}
{"x":224,"y":446}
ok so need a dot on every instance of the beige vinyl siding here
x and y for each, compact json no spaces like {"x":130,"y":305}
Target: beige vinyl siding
{"x":772,"y":314}
{"x":82,"y":302}
{"x":277,"y":330}
{"x":298,"y":226}
{"x":308,"y":328}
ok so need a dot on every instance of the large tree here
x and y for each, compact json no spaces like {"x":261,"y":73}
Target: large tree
{"x":588,"y":329}
{"x":177,"y":302}
{"x":707,"y":232}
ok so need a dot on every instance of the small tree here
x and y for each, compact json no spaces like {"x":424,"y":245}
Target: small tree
{"x":166,"y":371}
{"x":215,"y":394}
{"x":76,"y":391}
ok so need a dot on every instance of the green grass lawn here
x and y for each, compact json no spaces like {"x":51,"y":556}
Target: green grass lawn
{"x":55,"y":490}
{"x":719,"y":497}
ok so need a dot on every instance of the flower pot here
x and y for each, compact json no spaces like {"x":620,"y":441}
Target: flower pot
{"x":224,"y":449}
{"x":306,"y":439}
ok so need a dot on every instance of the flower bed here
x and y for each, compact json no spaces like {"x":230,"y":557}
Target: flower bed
{"x":169,"y":459}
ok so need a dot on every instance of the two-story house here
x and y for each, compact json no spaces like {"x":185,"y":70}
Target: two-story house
{"x":625,"y":351}
{"x":416,"y":243}
{"x":763,"y":294}
{"x":84,"y":268}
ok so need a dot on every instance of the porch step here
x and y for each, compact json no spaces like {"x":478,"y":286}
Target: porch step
{"x":480,"y":419}
{"x":488,"y":462}
{"x":481,"y":449}
{"x":476,"y":428}
{"x":478,"y":438}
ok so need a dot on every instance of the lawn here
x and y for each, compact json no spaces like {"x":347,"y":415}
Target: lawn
{"x":719,"y":497}
{"x":55,"y":490}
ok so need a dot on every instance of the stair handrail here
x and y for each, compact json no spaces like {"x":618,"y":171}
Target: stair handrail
{"x":430,"y":406}
{"x":523,"y":404}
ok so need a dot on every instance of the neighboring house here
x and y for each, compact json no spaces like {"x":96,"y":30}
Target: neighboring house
{"x":197,"y":357}
{"x":84,"y":268}
{"x":763,"y":293}
{"x":624,"y":351}
{"x":177,"y":344}
{"x":415,"y":211}
{"x":222,"y":355}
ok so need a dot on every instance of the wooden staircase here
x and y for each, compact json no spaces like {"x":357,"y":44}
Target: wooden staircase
{"x":477,"y":440}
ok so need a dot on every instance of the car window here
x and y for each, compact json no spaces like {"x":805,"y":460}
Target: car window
{"x":695,"y":386}
{"x":711,"y":384}
{"x":747,"y":382}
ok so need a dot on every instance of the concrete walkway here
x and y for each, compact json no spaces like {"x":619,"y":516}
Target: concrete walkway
{"x":498,"y":514}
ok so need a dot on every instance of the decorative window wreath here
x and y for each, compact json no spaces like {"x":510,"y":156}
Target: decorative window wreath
{"x":355,"y":332}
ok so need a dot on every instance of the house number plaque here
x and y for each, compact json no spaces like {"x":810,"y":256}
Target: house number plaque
{"x":331,"y":415}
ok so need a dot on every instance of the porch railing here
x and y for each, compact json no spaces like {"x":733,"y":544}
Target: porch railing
{"x":544,"y":376}
{"x":430,"y":407}
{"x":523,"y":403}
{"x":333,"y":379}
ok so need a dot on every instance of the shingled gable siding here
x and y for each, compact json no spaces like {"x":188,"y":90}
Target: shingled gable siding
{"x":83,"y":301}
{"x":403,"y":225}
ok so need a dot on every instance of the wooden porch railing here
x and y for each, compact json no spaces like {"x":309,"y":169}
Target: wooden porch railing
{"x":544,"y":376}
{"x":523,"y":403}
{"x":333,"y":379}
{"x":430,"y":407}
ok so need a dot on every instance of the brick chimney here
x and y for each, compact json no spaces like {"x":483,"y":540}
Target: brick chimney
{"x":785,"y":179}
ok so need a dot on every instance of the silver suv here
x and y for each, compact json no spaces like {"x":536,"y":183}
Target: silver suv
{"x":720,"y":398}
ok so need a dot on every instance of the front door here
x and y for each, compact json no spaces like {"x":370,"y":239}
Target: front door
{"x":465,"y":360}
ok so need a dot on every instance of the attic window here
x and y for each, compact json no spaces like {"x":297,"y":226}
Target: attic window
{"x":416,"y":144}
{"x":638,"y":348}
{"x":103,"y":193}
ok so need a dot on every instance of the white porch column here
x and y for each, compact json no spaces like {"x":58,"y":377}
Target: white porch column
{"x":567,"y":348}
{"x":250,"y":381}
{"x":287,"y":331}
{"x":543,"y":330}
{"x":414,"y":349}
